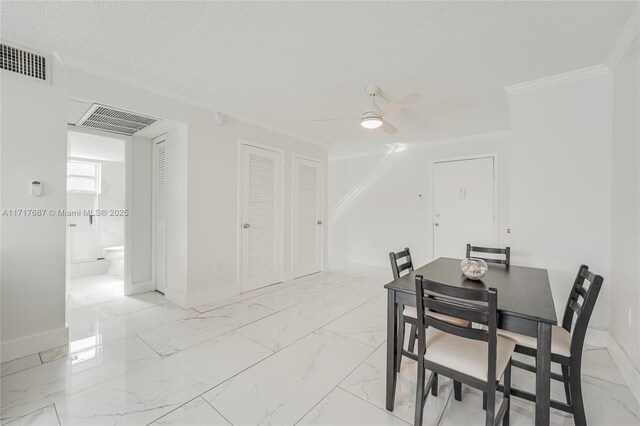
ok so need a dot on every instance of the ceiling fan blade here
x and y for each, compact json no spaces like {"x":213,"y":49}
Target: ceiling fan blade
{"x":398,"y":104}
{"x":388,"y":128}
{"x":334,"y":119}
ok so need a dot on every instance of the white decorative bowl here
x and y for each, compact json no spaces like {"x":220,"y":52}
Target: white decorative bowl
{"x":474,"y":269}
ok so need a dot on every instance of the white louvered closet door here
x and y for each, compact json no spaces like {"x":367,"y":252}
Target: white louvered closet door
{"x":307,"y":216}
{"x":261,"y":224}
{"x":160,"y":212}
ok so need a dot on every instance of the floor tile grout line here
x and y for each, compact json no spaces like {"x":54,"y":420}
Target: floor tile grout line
{"x":258,"y":295}
{"x":55,"y":409}
{"x":446,"y":404}
{"x":48,"y":403}
{"x":333,"y":388}
{"x":390,"y":412}
{"x":314,"y":330}
{"x":301,"y":337}
{"x":214,"y":408}
{"x":262,"y":360}
{"x":148,"y":345}
{"x":235,"y":329}
{"x":259,"y":319}
{"x":254,"y":341}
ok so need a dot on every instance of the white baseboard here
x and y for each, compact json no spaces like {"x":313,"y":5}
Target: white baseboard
{"x":175,"y":297}
{"x":596,"y":337}
{"x":193,"y":300}
{"x":137,"y":288}
{"x":630,"y":375}
{"x":18,"y":348}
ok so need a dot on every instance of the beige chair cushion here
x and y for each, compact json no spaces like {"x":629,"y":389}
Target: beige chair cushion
{"x":412,"y":312}
{"x":466,"y":355}
{"x":560,"y":340}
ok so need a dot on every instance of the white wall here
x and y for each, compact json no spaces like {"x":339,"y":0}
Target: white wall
{"x":202,"y":164}
{"x":32,"y":260}
{"x":213,"y":203}
{"x":561,"y":184}
{"x":625,"y":232}
{"x":140,"y":212}
{"x":177,"y":173}
{"x":202,"y":170}
{"x":374,"y":203}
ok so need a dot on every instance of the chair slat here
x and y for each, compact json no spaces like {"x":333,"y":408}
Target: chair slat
{"x":467,"y":333}
{"x":577,"y":308}
{"x":489,"y":260}
{"x":404,"y":267}
{"x":474,"y":314}
{"x":588,"y":275}
{"x":403,"y":253}
{"x":457,"y":292}
{"x":490,"y":250}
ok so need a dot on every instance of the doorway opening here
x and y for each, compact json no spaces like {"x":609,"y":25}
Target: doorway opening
{"x":96,"y":214}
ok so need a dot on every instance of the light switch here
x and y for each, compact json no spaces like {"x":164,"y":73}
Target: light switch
{"x":35,"y":188}
{"x":462,"y":193}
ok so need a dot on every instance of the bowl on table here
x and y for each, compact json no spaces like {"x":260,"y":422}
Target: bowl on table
{"x":474,"y":269}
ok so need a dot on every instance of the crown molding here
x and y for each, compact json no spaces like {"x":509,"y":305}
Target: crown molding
{"x":626,"y":37}
{"x":558,"y":79}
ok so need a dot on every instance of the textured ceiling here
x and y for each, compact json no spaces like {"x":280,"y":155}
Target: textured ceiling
{"x":281,"y":64}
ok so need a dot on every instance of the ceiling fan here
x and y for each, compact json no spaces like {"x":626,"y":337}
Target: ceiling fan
{"x":371,"y":118}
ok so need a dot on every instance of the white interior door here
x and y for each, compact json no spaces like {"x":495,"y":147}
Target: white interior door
{"x":463,"y":206}
{"x":160,"y":213}
{"x":307,"y":216}
{"x":261,"y":217}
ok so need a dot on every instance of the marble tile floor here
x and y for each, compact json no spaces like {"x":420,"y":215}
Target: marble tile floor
{"x":307,"y":351}
{"x":94,"y":289}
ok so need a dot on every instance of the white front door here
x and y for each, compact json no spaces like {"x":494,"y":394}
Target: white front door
{"x":261,"y":217}
{"x":463,"y":206}
{"x":160,"y":212}
{"x":307,"y":216}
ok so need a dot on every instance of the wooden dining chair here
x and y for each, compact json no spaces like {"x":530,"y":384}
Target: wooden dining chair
{"x":401,"y":264}
{"x":506,"y":252}
{"x":476,"y":357}
{"x":567,"y":342}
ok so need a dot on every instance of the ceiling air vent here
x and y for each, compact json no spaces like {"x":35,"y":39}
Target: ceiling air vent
{"x":114,"y":120}
{"x":25,"y":62}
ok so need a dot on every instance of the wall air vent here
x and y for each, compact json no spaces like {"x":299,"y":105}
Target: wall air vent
{"x":114,"y":120}
{"x":25,"y":62}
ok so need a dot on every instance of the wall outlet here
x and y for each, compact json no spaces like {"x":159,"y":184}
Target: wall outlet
{"x":216,"y":266}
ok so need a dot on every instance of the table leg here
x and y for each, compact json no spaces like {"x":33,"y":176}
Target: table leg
{"x":543,"y":376}
{"x":392,"y":338}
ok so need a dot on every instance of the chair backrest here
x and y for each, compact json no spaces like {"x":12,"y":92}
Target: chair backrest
{"x":472,"y":305}
{"x":398,"y":265}
{"x":580,"y":306}
{"x":477,"y":249}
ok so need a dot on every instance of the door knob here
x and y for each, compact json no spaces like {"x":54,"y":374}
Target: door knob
{"x":246,"y":225}
{"x":436,"y":224}
{"x":72,"y":225}
{"x":319,"y":222}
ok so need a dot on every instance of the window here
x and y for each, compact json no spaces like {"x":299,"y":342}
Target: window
{"x":83,"y":177}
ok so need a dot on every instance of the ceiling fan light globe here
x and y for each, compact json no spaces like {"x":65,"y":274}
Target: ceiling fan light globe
{"x":371,"y":121}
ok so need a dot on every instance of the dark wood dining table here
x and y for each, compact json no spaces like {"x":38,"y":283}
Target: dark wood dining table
{"x":525,"y":305}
